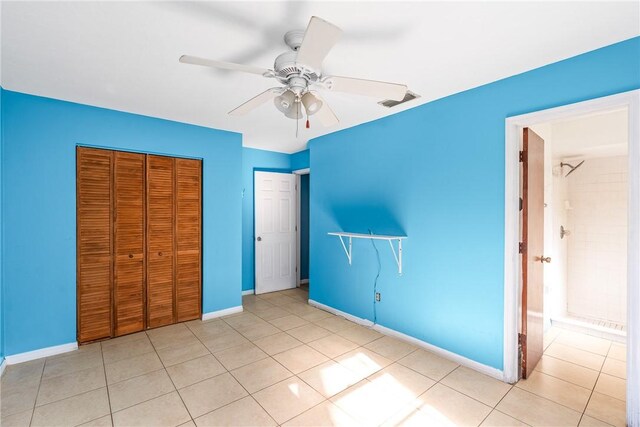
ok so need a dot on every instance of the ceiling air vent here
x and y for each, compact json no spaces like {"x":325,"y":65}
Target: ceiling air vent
{"x":391,"y":103}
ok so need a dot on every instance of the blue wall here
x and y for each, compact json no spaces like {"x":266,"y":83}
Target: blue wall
{"x":436,"y":174}
{"x":39,"y":208}
{"x":300,"y":160}
{"x":304,"y":226}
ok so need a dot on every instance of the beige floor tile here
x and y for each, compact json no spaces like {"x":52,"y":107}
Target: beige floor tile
{"x":301,"y":309}
{"x":329,"y":378}
{"x":442,"y":401}
{"x":241,"y":413}
{"x":410,"y":416}
{"x":574,"y":355}
{"x":72,"y":363}
{"x":272,"y":313}
{"x":479,"y":386}
{"x":21,"y":419}
{"x":300,"y":359}
{"x":317,"y":314}
{"x":584,"y":342}
{"x":359,"y":334}
{"x":498,"y":419}
{"x":74,"y":410}
{"x":242,"y":320}
{"x":18,"y":397}
{"x":211,"y":394}
{"x":588,"y":421}
{"x":363,"y":362}
{"x":167,"y":410}
{"x":209,"y":328}
{"x":334,"y":324}
{"x":288,"y":322}
{"x":277,"y":343}
{"x":261,"y":374}
{"x":139,"y":389}
{"x":568,"y":371}
{"x":257,"y":331}
{"x":391,"y":348}
{"x":63,"y":386}
{"x":20,"y":372}
{"x":288,"y":399}
{"x":615,"y":367}
{"x":369,"y":403}
{"x":171,"y":336}
{"x":125,"y":338}
{"x":612,"y":386}
{"x":402,"y":382}
{"x":325,"y":414}
{"x":196,"y":370}
{"x":224,"y":341}
{"x":608,"y":409}
{"x":126,"y":349}
{"x":174,"y":355}
{"x":556,"y":390}
{"x":241,"y":355}
{"x":308,"y":333}
{"x":99,"y":422}
{"x":618,"y":352}
{"x":281,"y":300}
{"x":535,"y":410}
{"x":333,"y":345}
{"x":132,"y":367}
{"x":429,"y":364}
{"x":188,"y":424}
{"x":550,"y":336}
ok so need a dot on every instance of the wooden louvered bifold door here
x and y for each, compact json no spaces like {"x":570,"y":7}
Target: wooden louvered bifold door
{"x":187,"y":237}
{"x":94,"y":243}
{"x":160,"y":241}
{"x":129,"y":236}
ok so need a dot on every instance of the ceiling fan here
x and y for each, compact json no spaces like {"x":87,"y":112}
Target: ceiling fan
{"x":300,"y":73}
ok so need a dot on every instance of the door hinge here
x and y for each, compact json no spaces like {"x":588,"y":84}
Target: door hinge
{"x":521,"y":338}
{"x":521,"y":247}
{"x":521,"y":202}
{"x":523,"y":156}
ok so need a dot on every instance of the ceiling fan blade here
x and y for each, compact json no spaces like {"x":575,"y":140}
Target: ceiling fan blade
{"x":256,"y":101}
{"x":381,"y":90}
{"x":325,"y":114}
{"x":188,"y":59}
{"x":318,"y":40}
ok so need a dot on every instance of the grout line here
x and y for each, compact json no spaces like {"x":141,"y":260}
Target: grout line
{"x":33,"y":409}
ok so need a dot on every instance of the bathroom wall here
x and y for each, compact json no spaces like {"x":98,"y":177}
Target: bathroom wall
{"x":597,"y":246}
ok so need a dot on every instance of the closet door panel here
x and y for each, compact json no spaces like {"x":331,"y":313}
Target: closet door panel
{"x":160,"y":241}
{"x":188,"y":239}
{"x":94,"y":243}
{"x":129,"y":227}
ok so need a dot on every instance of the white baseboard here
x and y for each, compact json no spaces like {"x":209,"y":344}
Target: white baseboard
{"x":3,"y":365}
{"x":221,"y":313}
{"x":461,"y":360}
{"x":43,"y":352}
{"x":304,"y":281}
{"x":358,"y":320}
{"x":249,"y":292}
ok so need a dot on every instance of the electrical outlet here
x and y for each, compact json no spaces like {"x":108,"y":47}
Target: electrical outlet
{"x":378,"y":296}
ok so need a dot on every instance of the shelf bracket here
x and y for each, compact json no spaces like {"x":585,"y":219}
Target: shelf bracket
{"x":347,"y":251}
{"x":397,"y":256}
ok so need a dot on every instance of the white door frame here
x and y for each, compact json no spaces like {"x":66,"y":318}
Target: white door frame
{"x":512,"y":285}
{"x":297,"y":173}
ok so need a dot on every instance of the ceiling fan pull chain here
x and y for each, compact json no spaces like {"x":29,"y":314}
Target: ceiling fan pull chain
{"x":308,"y":126}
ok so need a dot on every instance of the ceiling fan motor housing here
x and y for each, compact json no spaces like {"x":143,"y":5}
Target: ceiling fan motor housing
{"x":286,"y":67}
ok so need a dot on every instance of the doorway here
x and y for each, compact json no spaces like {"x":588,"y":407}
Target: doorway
{"x":630,"y":102}
{"x":303,"y":188}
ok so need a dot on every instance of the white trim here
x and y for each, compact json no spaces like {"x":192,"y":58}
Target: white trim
{"x":514,"y":125}
{"x":221,"y":313}
{"x":40,"y":353}
{"x":358,"y":320}
{"x":304,"y":171}
{"x":3,"y":365}
{"x":298,"y":226}
{"x":249,"y":292}
{"x":461,"y":360}
{"x":304,"y":281}
{"x":487,"y":370}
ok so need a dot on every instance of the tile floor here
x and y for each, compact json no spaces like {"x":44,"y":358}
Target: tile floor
{"x":283,"y":362}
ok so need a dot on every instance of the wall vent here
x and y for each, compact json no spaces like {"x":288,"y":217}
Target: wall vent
{"x":391,"y":103}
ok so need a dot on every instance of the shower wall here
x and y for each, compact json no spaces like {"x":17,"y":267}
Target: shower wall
{"x":597,"y":246}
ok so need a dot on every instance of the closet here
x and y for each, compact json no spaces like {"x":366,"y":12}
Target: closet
{"x":139,"y":226}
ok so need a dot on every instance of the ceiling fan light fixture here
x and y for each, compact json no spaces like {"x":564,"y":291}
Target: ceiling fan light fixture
{"x":284,"y":103}
{"x":295,"y":112}
{"x":311,"y":103}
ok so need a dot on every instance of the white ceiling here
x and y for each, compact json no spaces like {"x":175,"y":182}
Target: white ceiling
{"x":124,"y":55}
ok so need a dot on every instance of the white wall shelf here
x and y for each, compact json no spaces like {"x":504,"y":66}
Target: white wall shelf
{"x":390,"y":239}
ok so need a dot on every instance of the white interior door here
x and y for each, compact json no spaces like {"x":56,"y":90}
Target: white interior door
{"x":275,"y":231}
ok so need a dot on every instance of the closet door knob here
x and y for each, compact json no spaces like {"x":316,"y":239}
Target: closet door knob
{"x":159,"y":253}
{"x":259,"y":239}
{"x":544,"y":259}
{"x":130,"y":255}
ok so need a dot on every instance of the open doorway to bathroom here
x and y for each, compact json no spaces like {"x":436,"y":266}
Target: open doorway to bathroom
{"x":585,"y":217}
{"x":303,"y":187}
